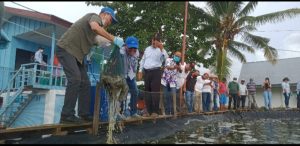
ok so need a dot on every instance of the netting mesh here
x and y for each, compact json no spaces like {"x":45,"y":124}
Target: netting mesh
{"x":113,"y":81}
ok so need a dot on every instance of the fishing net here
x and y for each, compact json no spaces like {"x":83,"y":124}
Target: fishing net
{"x":113,"y":81}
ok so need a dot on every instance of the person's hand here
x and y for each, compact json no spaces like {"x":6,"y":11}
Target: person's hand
{"x":140,"y":75}
{"x":160,"y":46}
{"x":184,"y":89}
{"x":119,"y":42}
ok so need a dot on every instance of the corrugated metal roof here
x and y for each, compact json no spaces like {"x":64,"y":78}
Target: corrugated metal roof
{"x":289,"y":67}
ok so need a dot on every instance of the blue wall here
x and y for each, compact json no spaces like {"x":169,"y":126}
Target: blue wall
{"x":59,"y":102}
{"x":33,"y":114}
{"x":8,"y":49}
{"x":18,"y":26}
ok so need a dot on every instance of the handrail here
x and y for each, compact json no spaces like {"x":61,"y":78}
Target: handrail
{"x":2,"y":91}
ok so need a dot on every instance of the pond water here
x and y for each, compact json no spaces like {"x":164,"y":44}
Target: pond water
{"x":263,"y":131}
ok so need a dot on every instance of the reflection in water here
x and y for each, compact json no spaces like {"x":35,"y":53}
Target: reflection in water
{"x":264,"y":131}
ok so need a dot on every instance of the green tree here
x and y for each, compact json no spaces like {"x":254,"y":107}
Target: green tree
{"x":143,"y":19}
{"x":223,"y":22}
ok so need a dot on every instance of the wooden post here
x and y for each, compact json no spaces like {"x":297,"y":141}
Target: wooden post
{"x":96,"y":110}
{"x":183,"y":48}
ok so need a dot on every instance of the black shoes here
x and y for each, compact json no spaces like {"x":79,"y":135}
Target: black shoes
{"x":71,"y":120}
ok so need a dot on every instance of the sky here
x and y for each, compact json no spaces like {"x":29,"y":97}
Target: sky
{"x":283,"y":35}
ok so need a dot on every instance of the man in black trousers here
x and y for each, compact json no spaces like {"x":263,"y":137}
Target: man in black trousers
{"x":72,"y":48}
{"x":150,"y":64}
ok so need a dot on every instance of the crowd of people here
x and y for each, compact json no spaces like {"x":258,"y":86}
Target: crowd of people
{"x":159,"y":70}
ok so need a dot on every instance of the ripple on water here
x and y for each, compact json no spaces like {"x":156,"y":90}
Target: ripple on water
{"x":193,"y":135}
{"x":249,"y":138}
{"x":206,"y":139}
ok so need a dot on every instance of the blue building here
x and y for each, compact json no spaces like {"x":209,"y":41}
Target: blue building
{"x":31,"y":96}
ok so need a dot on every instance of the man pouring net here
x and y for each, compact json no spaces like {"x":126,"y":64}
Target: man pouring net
{"x":113,"y":81}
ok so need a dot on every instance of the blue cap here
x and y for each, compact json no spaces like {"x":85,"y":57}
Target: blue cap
{"x":132,"y":42}
{"x":111,"y":12}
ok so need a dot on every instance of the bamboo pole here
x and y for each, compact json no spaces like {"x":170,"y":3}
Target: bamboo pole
{"x":183,"y":48}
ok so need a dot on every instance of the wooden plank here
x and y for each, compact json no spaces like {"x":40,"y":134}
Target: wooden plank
{"x":96,"y":110}
{"x":62,"y":129}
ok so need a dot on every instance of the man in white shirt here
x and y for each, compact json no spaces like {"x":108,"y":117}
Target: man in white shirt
{"x":243,"y":92}
{"x":286,"y":91}
{"x":181,"y":79}
{"x":150,"y":64}
{"x":38,"y":58}
{"x":198,"y":94}
{"x":206,"y":92}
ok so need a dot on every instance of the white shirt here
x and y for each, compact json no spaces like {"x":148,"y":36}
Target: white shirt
{"x":181,"y":76}
{"x":206,"y":88}
{"x":243,"y":89}
{"x":286,"y":86}
{"x":152,"y":58}
{"x":199,"y":84}
{"x":38,"y":56}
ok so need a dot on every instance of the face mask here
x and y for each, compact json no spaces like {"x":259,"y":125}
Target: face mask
{"x":176,"y":59}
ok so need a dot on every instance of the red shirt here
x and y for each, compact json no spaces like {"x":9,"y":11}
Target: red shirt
{"x":223,"y":88}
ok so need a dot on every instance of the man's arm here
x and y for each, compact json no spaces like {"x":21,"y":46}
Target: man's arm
{"x":142,"y":62}
{"x":101,"y":31}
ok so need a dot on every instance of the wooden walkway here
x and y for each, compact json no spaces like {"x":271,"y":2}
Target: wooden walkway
{"x":63,"y":129}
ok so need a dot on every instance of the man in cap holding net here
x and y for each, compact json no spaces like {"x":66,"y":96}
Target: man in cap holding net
{"x":72,"y":48}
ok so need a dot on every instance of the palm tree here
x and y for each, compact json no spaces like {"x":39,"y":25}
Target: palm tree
{"x":223,"y":22}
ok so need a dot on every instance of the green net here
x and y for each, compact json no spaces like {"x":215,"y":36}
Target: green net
{"x":113,"y":81}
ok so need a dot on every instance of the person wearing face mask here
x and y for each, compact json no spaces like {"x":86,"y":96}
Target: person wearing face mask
{"x":168,"y":81}
{"x":150,"y":65}
{"x":130,"y":53}
{"x":72,"y":48}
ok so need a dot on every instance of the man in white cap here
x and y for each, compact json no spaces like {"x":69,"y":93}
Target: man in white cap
{"x":71,"y":50}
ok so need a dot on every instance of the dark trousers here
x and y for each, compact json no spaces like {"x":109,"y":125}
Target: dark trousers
{"x":133,"y":95}
{"x":236,"y":101}
{"x":206,"y":101}
{"x":168,"y":98}
{"x":78,"y":86}
{"x":298,"y":99}
{"x":152,"y":88}
{"x":243,"y":100}
{"x":286,"y":99}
